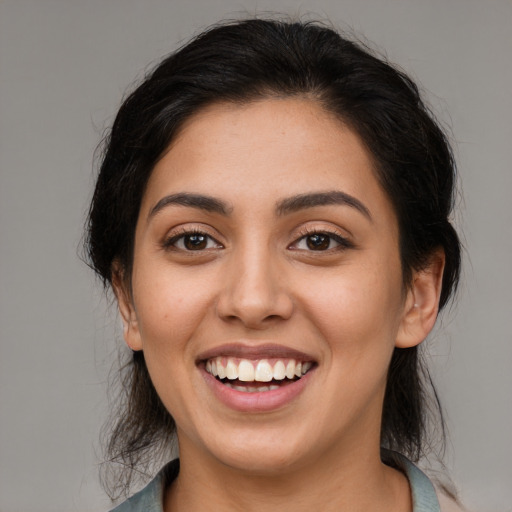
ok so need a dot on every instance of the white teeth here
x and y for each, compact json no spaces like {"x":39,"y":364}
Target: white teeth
{"x":263,"y":371}
{"x":279,"y":371}
{"x":221,"y":369}
{"x":251,"y":389}
{"x":245,"y":371}
{"x":231,"y":370}
{"x":290,"y":369}
{"x":306,"y":367}
{"x":252,"y":371}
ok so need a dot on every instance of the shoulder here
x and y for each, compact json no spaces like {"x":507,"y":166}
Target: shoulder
{"x":426,"y":497}
{"x":150,"y":498}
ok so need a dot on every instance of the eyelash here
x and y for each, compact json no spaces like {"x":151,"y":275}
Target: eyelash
{"x":343,"y":243}
{"x":170,"y":242}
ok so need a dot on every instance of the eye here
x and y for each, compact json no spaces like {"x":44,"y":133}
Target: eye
{"x":321,"y":241}
{"x":192,"y":241}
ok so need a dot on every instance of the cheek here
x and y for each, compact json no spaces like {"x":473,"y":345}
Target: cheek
{"x":170,"y":305}
{"x":357,"y":308}
{"x":169,"y":308}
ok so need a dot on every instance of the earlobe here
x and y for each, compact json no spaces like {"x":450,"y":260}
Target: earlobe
{"x":131,"y":331}
{"x":422,"y":302}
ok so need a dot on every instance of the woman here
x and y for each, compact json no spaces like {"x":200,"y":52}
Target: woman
{"x":272,"y":212}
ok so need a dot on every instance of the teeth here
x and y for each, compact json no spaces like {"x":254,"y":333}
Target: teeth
{"x":245,"y":371}
{"x":251,"y":389}
{"x":256,"y":371}
{"x":214,"y":368}
{"x":221,"y":369}
{"x":263,"y":371}
{"x":279,"y":371}
{"x":231,"y":370}
{"x":290,"y":369}
{"x":306,"y":367}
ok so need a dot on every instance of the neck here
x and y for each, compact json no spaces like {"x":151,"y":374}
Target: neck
{"x":357,"y":481}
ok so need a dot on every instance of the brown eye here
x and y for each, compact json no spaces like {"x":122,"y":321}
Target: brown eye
{"x":192,"y":241}
{"x":195,"y":242}
{"x":318,"y":242}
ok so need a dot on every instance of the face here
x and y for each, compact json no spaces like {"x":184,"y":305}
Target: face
{"x":266,"y":290}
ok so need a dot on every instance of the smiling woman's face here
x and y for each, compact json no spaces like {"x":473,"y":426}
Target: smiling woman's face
{"x":267,"y":287}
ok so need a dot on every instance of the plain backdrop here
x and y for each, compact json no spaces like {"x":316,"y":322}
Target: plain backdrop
{"x":64,"y":67}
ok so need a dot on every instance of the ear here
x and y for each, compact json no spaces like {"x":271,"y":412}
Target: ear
{"x":422,"y":302}
{"x":131,"y":331}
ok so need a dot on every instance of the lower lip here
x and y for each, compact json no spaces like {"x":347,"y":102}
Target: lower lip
{"x":263,"y":401}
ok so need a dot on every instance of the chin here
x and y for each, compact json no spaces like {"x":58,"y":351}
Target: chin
{"x":260,"y":462}
{"x":261,"y":452}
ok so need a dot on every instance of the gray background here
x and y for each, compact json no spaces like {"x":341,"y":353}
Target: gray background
{"x":64,"y":67}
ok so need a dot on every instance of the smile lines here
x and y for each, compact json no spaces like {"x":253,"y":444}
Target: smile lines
{"x":262,"y":370}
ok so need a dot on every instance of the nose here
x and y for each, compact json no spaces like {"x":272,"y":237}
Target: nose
{"x":255,"y":290}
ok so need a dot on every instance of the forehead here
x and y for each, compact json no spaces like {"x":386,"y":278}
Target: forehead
{"x":264,"y":150}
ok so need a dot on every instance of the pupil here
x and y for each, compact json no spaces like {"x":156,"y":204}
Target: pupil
{"x":316,"y":242}
{"x":195,"y":242}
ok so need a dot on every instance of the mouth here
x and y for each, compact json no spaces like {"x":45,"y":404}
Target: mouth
{"x":257,"y":375}
{"x":256,"y":378}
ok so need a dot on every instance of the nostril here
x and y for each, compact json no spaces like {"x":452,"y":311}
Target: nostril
{"x":255,"y":309}
{"x":253,"y":292}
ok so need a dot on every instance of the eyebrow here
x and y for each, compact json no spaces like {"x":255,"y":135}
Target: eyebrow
{"x":285,"y":206}
{"x":199,"y":201}
{"x":334,"y":197}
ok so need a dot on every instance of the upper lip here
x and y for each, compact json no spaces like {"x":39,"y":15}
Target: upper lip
{"x":265,"y":351}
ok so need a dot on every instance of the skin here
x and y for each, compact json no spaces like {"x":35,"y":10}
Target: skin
{"x":257,"y":281}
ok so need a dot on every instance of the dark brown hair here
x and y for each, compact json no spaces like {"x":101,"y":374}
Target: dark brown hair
{"x":252,"y":59}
